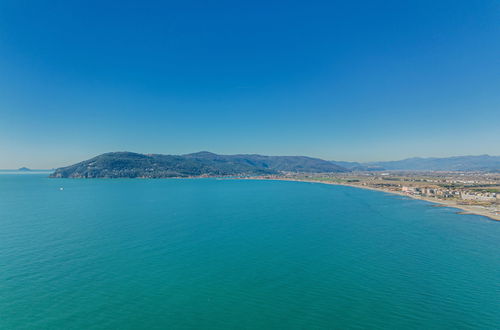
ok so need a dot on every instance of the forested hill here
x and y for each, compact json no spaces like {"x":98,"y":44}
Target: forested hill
{"x":134,"y":165}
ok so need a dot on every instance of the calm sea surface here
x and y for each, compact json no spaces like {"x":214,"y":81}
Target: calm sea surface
{"x":229,"y":254}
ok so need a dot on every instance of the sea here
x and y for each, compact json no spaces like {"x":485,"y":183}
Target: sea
{"x":238,"y":254}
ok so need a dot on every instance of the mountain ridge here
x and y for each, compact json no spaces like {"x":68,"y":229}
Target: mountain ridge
{"x":455,"y":163}
{"x":125,"y":164}
{"x":204,"y":163}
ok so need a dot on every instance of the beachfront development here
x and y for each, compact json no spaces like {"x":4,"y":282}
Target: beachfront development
{"x":472,"y":192}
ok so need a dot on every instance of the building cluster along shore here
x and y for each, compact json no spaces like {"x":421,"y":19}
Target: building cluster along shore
{"x":472,"y":193}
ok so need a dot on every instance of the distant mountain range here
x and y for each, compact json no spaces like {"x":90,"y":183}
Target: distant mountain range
{"x":484,"y":163}
{"x":134,"y":165}
{"x":355,"y":166}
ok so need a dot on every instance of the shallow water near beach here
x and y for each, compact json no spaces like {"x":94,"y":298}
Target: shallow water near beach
{"x":239,"y":254}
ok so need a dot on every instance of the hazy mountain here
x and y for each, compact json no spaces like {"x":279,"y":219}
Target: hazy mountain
{"x":459,"y":163}
{"x":133,"y":165}
{"x":355,"y":166}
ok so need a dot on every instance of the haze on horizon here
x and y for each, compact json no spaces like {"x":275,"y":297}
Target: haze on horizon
{"x":363,"y":81}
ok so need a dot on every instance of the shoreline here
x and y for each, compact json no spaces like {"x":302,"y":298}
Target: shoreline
{"x":464,"y":209}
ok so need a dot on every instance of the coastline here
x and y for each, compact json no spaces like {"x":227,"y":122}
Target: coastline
{"x":465,"y":209}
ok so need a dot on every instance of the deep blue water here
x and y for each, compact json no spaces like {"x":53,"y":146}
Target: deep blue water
{"x":239,"y":254}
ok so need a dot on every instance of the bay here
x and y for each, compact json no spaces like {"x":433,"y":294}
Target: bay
{"x":238,"y":254}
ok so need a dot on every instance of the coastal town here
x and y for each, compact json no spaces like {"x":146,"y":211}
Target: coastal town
{"x":472,"y":192}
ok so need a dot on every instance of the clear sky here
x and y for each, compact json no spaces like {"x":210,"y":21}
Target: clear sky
{"x":343,"y":80}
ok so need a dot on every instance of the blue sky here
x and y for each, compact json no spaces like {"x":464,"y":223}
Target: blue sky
{"x":343,"y":80}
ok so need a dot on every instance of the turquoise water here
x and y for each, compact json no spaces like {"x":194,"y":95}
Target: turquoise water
{"x":236,"y":254}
